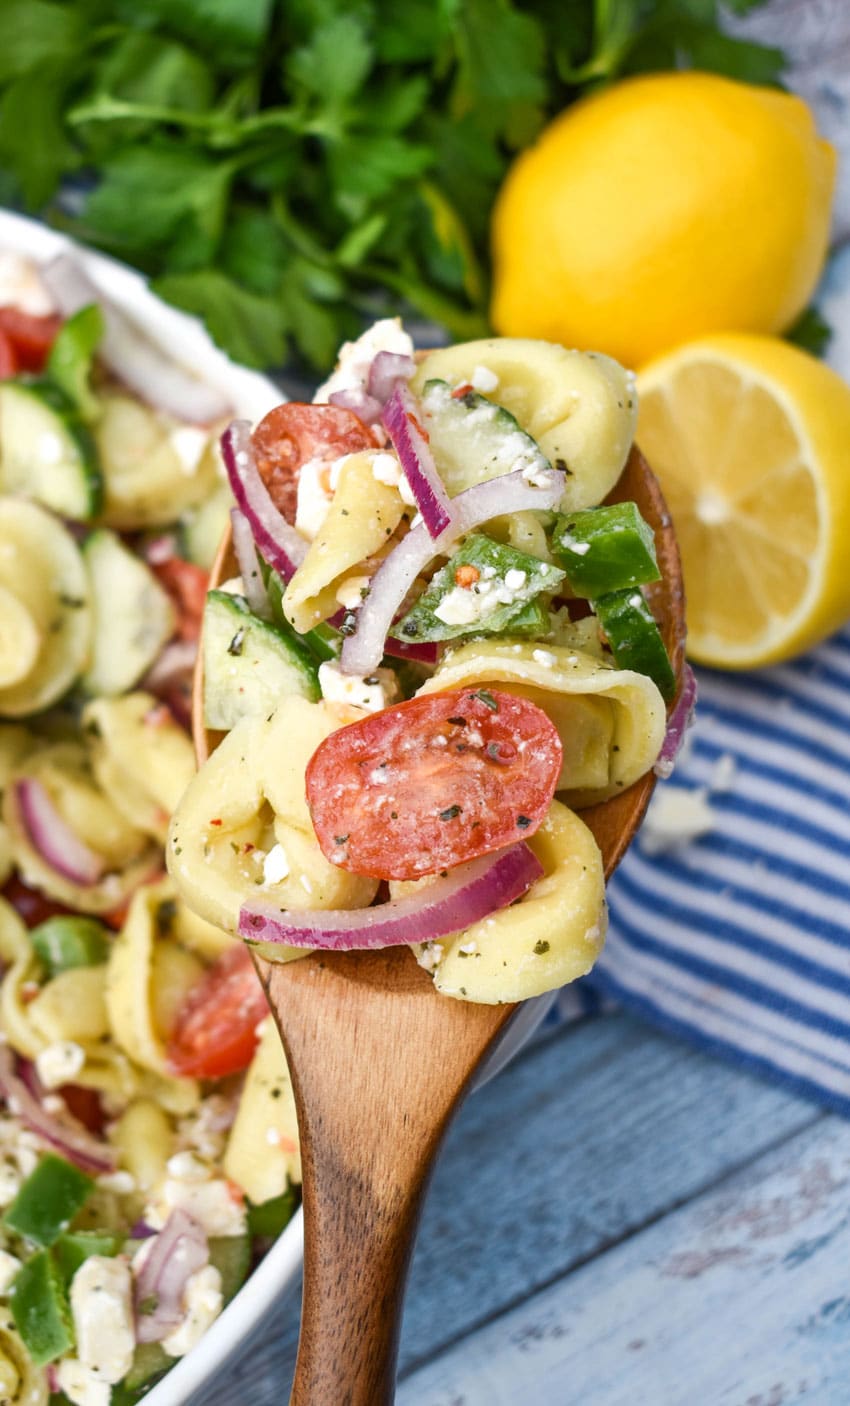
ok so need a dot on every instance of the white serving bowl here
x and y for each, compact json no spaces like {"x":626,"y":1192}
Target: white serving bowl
{"x":184,"y":339}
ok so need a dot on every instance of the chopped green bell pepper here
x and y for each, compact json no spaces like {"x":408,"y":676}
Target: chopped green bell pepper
{"x":67,"y":941}
{"x":40,"y":1309}
{"x":69,"y":364}
{"x":268,"y":1218}
{"x":72,"y":1248}
{"x":231,"y":1256}
{"x":48,"y":1200}
{"x":479,"y":591}
{"x":605,"y":549}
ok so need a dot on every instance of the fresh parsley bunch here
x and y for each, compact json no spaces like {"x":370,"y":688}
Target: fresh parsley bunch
{"x":286,"y":168}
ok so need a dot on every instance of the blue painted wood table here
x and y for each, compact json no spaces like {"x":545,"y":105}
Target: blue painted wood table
{"x":618,"y":1220}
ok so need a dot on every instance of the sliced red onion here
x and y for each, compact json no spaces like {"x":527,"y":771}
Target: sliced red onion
{"x":142,"y":1231}
{"x":678,"y":723}
{"x":283,"y":548}
{"x":385,"y":373}
{"x":364,"y":406}
{"x":249,"y":566}
{"x":54,"y":839}
{"x":126,"y":350}
{"x":51,"y":1372}
{"x":178,"y":1251}
{"x":176,"y":659}
{"x":62,"y":1132}
{"x":401,"y":421}
{"x":469,"y":893}
{"x":511,"y":493}
{"x":426,"y":652}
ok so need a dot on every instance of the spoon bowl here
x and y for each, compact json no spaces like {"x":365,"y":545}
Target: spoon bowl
{"x":380,"y":1062}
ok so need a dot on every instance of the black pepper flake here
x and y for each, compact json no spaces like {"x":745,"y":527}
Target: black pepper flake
{"x":349,"y":623}
{"x":523,"y":822}
{"x":393,"y":815}
{"x":166,"y":912}
{"x":487,"y":699}
{"x":341,"y":839}
{"x":450,"y":813}
{"x":540,"y":947}
{"x":72,"y":602}
{"x":343,"y":512}
{"x":409,"y":628}
{"x":458,"y":722}
{"x":235,"y":646}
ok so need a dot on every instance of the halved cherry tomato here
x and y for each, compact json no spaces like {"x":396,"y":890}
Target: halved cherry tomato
{"x":187,"y":584}
{"x":30,"y":905}
{"x":429,"y":784}
{"x":216,"y":1029}
{"x":292,"y":434}
{"x":9,"y":364}
{"x":31,"y":337}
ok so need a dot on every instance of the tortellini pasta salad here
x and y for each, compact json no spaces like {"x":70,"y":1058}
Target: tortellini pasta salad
{"x":148,"y":1138}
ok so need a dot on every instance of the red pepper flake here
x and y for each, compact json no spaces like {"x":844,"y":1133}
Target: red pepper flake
{"x":467,"y":576}
{"x":216,"y":822}
{"x":420,"y":428}
{"x":460,"y":391}
{"x":247,"y":847}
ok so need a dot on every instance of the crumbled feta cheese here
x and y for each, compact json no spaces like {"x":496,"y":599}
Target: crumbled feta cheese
{"x":460,"y":606}
{"x":543,"y":657}
{"x":406,"y":492}
{"x":723,"y":773}
{"x":275,"y":865}
{"x":515,"y":579}
{"x":314,"y":497}
{"x":121,"y":1182}
{"x":431,"y":955}
{"x":205,"y":1129}
{"x":102,"y":1309}
{"x":578,"y":549}
{"x":202,"y":1300}
{"x":59,"y":1063}
{"x":386,"y":469}
{"x":468,"y":948}
{"x":214,"y":1204}
{"x":676,"y":817}
{"x":21,"y":286}
{"x":350,"y":593}
{"x":189,"y":443}
{"x":483,"y":379}
{"x":355,"y":358}
{"x":9,"y":1266}
{"x":372,"y":694}
{"x":185,"y":1166}
{"x":80,"y":1385}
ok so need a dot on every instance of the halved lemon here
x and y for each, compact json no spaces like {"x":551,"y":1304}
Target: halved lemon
{"x":750,"y":439}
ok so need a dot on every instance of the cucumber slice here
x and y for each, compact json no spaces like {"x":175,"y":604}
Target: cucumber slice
{"x":133,"y":615}
{"x":203,"y":528}
{"x":46,"y":452}
{"x":605,"y":549}
{"x":231,"y":1256}
{"x":474,"y":440}
{"x":249,"y":664}
{"x":635,"y":638}
{"x":41,"y":566}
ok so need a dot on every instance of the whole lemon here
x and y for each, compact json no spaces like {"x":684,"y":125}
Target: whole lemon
{"x":663,"y":208}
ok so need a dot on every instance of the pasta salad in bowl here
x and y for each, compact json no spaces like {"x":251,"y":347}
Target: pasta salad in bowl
{"x":433,"y":649}
{"x":149,"y":1142}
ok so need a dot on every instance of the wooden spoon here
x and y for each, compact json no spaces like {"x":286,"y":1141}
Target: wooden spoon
{"x":380,"y":1062}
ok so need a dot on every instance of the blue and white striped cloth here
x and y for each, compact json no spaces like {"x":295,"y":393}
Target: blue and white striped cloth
{"x":739,"y":939}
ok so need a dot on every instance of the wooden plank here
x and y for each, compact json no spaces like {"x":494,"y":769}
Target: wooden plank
{"x":741,"y":1298}
{"x":585,"y":1138}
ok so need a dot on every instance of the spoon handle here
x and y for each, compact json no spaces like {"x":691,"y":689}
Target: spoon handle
{"x":378,"y":1064}
{"x":356,"y":1256}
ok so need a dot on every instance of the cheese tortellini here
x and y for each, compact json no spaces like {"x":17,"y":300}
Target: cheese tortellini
{"x":362,"y":517}
{"x":551,"y":936}
{"x":580,"y":407}
{"x":611,"y":721}
{"x":243,"y":825}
